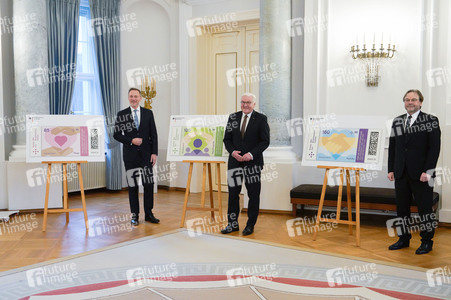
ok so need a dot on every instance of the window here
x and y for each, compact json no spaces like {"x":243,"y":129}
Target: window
{"x":86,"y":99}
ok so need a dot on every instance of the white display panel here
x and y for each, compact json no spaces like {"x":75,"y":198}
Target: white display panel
{"x":197,"y":137}
{"x":344,"y":141}
{"x":65,"y":138}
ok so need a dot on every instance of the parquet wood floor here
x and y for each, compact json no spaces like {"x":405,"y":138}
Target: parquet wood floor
{"x":21,"y":245}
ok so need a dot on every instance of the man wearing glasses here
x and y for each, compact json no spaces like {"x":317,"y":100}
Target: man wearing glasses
{"x":412,"y":157}
{"x":246,"y":137}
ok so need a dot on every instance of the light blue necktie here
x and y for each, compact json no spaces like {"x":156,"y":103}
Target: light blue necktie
{"x":136,"y":119}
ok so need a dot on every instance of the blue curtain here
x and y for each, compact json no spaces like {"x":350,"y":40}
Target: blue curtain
{"x":62,"y":16}
{"x":104,"y":14}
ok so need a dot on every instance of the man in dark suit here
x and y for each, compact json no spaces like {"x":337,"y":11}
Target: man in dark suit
{"x":412,"y":157}
{"x":135,"y":129}
{"x":246,"y":137}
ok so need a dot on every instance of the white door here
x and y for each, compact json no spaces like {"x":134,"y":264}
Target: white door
{"x":230,"y":55}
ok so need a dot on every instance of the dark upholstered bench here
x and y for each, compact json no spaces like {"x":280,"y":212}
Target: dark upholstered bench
{"x":370,"y":198}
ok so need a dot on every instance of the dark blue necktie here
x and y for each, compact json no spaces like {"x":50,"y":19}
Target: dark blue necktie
{"x":409,"y":119}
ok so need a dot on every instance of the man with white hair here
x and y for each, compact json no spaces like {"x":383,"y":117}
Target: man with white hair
{"x":246,"y":137}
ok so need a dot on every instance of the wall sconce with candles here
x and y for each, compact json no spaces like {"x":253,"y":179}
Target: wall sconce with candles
{"x":372,"y":58}
{"x":148,"y":92}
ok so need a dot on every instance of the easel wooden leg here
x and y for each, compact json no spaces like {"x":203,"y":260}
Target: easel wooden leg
{"x":338,"y":220}
{"x":348,"y":194}
{"x":206,"y":169}
{"x":204,"y":179}
{"x":82,"y":191}
{"x":340,"y":195}
{"x":218,"y":171}
{"x":65,"y":208}
{"x":321,"y":203}
{"x":210,"y":185}
{"x":46,"y":205}
{"x":357,"y":207}
{"x":188,"y":184}
{"x":66,"y":205}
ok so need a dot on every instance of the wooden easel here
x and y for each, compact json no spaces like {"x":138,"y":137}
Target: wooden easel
{"x":65,"y":208}
{"x":340,"y":189}
{"x":212,"y":209}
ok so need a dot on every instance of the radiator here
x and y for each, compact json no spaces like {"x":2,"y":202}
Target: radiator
{"x":93,"y":176}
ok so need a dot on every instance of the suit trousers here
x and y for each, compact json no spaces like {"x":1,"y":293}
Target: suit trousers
{"x":252,"y":180}
{"x":422,"y":193}
{"x":135,"y":170}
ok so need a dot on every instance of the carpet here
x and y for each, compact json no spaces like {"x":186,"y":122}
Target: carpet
{"x":184,"y":264}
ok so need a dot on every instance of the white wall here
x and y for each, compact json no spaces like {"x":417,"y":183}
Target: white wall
{"x":8,"y":90}
{"x":349,"y":18}
{"x":420,"y":30}
{"x":441,"y":95}
{"x":7,"y":104}
{"x":207,"y":9}
{"x":161,"y":38}
{"x":297,"y":75}
{"x":331,"y":76}
{"x":145,"y":47}
{"x":153,"y":47}
{"x":346,"y":19}
{"x":243,"y":10}
{"x":3,"y":181}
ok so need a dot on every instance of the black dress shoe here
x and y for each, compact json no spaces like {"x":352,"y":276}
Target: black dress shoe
{"x":399,"y":245}
{"x":152,"y":219}
{"x":135,"y":221}
{"x":248,"y":230}
{"x":229,"y":229}
{"x":425,"y":247}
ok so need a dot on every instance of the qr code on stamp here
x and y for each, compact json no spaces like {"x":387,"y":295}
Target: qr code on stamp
{"x":374,"y":139}
{"x":94,"y":138}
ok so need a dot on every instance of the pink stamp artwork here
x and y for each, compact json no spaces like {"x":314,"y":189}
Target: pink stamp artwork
{"x":61,"y":141}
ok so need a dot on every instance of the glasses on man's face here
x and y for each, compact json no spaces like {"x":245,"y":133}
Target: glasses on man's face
{"x":246,"y":102}
{"x":410,"y":100}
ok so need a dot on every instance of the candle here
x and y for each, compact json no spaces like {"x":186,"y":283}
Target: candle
{"x":152,"y":83}
{"x":382,"y":38}
{"x":364,"y":39}
{"x":374,"y":38}
{"x":147,"y":81}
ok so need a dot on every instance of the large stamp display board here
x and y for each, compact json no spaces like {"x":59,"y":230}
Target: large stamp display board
{"x":346,"y":141}
{"x":65,"y":138}
{"x":197,"y":137}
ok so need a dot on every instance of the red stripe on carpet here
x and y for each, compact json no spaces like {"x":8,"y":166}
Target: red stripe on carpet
{"x":204,"y":278}
{"x":310,"y":283}
{"x":111,"y":284}
{"x":322,"y":284}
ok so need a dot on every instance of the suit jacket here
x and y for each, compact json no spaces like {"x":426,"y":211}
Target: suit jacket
{"x":255,"y":141}
{"x":125,"y":131}
{"x":415,"y":149}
